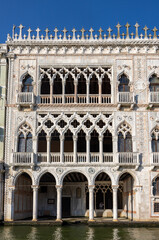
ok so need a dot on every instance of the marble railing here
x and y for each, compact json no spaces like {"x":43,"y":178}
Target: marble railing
{"x":125,"y":97}
{"x":22,"y":158}
{"x":154,"y":97}
{"x":25,"y":98}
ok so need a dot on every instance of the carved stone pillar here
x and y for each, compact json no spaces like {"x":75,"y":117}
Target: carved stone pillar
{"x":48,"y":149}
{"x":75,"y":92}
{"x":59,"y":203}
{"x":100,"y":91}
{"x":91,"y":203}
{"x":88,"y":148}
{"x":75,"y":148}
{"x":87,"y":84}
{"x":35,"y":148}
{"x":35,"y":202}
{"x":63,"y":91}
{"x":115,"y":202}
{"x":51,"y":91}
{"x":101,"y":149}
{"x":61,"y":148}
{"x":11,"y":197}
{"x":115,"y":148}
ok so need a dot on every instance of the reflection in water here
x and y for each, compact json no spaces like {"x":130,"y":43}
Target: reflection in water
{"x":90,"y":234}
{"x":33,"y":234}
{"x":57,"y":234}
{"x":7,"y":234}
{"x":116,"y":234}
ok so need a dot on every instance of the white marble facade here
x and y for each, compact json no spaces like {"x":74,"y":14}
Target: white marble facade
{"x":56,"y":172}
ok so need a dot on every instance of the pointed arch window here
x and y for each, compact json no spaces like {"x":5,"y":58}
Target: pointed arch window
{"x":154,"y":83}
{"x":25,"y":143}
{"x":155,"y":140}
{"x":155,"y":185}
{"x":69,"y":86}
{"x":45,"y":85}
{"x":42,"y":143}
{"x":123,"y":84}
{"x":124,"y":138}
{"x":93,"y":86}
{"x":27,"y":84}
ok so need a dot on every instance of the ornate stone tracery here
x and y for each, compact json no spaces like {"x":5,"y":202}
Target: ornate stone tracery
{"x":124,"y":128}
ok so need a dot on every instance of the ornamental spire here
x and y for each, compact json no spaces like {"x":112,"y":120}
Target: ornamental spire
{"x":145,"y":29}
{"x":137,"y":26}
{"x":109,"y":30}
{"x":127,"y":30}
{"x":155,"y":35}
{"x":118,"y":26}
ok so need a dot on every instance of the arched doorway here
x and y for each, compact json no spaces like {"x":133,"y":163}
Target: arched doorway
{"x":103,"y":196}
{"x":126,"y":196}
{"x":47,"y":197}
{"x":23,"y":197}
{"x":74,"y":195}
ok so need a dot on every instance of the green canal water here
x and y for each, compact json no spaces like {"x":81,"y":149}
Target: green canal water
{"x":77,"y":233}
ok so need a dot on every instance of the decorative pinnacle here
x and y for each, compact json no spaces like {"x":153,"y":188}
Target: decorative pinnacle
{"x":137,"y":26}
{"x":155,"y":35}
{"x":145,"y":29}
{"x":37,"y":35}
{"x":127,"y":30}
{"x":47,"y":31}
{"x":29,"y":31}
{"x":64,"y":35}
{"x":56,"y":31}
{"x":82,"y":30}
{"x":91,"y":33}
{"x":20,"y":31}
{"x":13,"y":30}
{"x":118,"y":26}
{"x":100,"y":33}
{"x":109,"y":31}
{"x":74,"y":36}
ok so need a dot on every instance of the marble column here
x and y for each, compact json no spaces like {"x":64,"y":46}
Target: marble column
{"x":75,"y":148}
{"x":59,"y":202}
{"x":51,"y":91}
{"x":63,"y":91}
{"x":75,"y":92}
{"x":100,"y":91}
{"x":91,"y":203}
{"x":61,"y":148}
{"x":115,"y":148}
{"x":35,"y":148}
{"x":11,"y":196}
{"x":88,"y":148}
{"x":87,"y":85}
{"x":48,"y":148}
{"x":101,"y":149}
{"x":115,"y":202}
{"x":35,"y":202}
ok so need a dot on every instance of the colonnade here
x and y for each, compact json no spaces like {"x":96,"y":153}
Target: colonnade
{"x":59,"y":202}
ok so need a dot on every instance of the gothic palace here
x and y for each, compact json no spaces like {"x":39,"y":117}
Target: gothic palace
{"x":79,"y":124}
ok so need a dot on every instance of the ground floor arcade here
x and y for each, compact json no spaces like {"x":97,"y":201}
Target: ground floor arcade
{"x":74,"y":197}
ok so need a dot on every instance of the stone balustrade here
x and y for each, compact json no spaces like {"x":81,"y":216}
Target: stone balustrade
{"x":155,"y":159}
{"x":22,"y":158}
{"x":128,"y":158}
{"x":25,"y":98}
{"x":154,"y":97}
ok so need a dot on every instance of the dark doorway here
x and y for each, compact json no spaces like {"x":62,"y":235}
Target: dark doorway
{"x":66,"y":206}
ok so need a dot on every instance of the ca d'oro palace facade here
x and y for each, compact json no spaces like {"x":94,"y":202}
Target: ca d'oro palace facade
{"x":79,"y":124}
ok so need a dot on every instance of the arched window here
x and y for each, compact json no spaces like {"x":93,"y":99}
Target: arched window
{"x":69,"y":87}
{"x":123,"y":84}
{"x":57,"y":85}
{"x":68,"y":142}
{"x":107,"y":142}
{"x":155,"y":140}
{"x":155,"y":185}
{"x":25,"y":143}
{"x":93,"y":86}
{"x":124,"y":138}
{"x":45,"y":85}
{"x":106,"y":87}
{"x":94,"y":142}
{"x":81,"y":142}
{"x":81,"y":89}
{"x":154,"y":83}
{"x":55,"y":141}
{"x":27,"y":84}
{"x":42,"y":143}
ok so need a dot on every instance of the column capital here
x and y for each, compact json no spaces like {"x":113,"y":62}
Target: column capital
{"x":11,"y":188}
{"x":35,"y":187}
{"x":62,"y":137}
{"x":35,"y":138}
{"x":91,"y":187}
{"x":59,"y":187}
{"x":75,"y":138}
{"x":48,"y":138}
{"x":88,"y":138}
{"x":115,"y":187}
{"x":100,"y":138}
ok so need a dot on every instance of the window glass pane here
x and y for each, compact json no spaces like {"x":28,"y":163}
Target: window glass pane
{"x":21,"y":143}
{"x":29,"y":143}
{"x":120,"y":143}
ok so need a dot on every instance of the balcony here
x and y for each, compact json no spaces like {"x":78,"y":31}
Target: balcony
{"x":25,"y":99}
{"x":128,"y":159}
{"x":155,"y":159}
{"x":125,"y":99}
{"x":153,"y":99}
{"x":22,"y":159}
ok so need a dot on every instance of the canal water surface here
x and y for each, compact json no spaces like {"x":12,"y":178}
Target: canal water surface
{"x":77,"y":233}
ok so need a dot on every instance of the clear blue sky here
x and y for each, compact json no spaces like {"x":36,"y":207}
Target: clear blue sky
{"x":76,"y":13}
